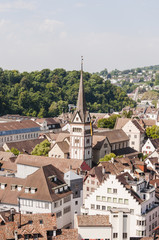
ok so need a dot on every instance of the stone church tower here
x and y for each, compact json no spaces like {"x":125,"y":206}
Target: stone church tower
{"x":81,"y":129}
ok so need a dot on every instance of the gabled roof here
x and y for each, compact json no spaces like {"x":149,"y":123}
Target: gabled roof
{"x":114,"y":136}
{"x":120,"y":122}
{"x":93,"y":221}
{"x":41,"y":181}
{"x":18,"y":125}
{"x":25,"y":146}
{"x":64,"y":146}
{"x":137,"y":124}
{"x":70,"y":175}
{"x":38,"y":161}
{"x":155,"y":142}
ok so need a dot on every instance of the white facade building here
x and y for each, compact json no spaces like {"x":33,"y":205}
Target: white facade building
{"x":133,"y":201}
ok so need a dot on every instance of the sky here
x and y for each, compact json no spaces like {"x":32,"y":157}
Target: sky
{"x":112,"y":34}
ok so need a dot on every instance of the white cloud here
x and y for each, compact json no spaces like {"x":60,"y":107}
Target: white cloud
{"x":50,"y":25}
{"x":17,"y":4}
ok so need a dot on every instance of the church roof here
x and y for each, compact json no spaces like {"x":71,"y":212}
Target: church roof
{"x":81,"y":102}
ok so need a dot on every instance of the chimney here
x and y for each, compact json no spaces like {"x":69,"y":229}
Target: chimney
{"x":70,"y":167}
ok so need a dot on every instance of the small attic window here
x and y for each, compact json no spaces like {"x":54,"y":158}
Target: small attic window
{"x":77,"y":119}
{"x":13,"y":187}
{"x":3,"y":185}
{"x":33,"y":190}
{"x":61,"y":189}
{"x":19,"y":187}
{"x":27,"y":190}
{"x":30,"y":222}
{"x":56,"y":190}
{"x":41,"y":221}
{"x":65,"y":187}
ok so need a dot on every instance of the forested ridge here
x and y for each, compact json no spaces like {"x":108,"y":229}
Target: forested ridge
{"x":47,"y":93}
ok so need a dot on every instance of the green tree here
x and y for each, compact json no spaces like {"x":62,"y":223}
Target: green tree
{"x":152,"y":132}
{"x":42,"y":149}
{"x":108,"y":122}
{"x":15,"y":151}
{"x":107,"y":157}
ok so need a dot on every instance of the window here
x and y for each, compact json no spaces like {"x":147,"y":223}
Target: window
{"x":97,"y":198}
{"x":115,"y":235}
{"x":41,"y":221}
{"x":108,"y":208}
{"x":115,"y":200}
{"x":103,"y":198}
{"x":93,"y":182}
{"x":126,"y":201}
{"x":109,"y":190}
{"x":124,"y":235}
{"x":55,"y":204}
{"x":98,"y":207}
{"x":135,"y":136}
{"x":133,"y":143}
{"x":114,"y":190}
{"x":120,"y":200}
{"x":58,"y":214}
{"x":150,"y":218}
{"x":108,"y":199}
{"x":76,"y":202}
{"x":30,"y":222}
{"x":67,"y":209}
{"x":115,"y":216}
{"x":87,"y":188}
{"x":88,"y":141}
{"x":103,"y":207}
{"x":105,"y":145}
{"x":92,"y":206}
{"x":77,"y":129}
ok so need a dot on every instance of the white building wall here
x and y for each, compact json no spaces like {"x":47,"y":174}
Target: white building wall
{"x":148,"y":147}
{"x":24,"y":170}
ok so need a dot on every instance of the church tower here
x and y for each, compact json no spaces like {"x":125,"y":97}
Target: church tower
{"x":81,"y":129}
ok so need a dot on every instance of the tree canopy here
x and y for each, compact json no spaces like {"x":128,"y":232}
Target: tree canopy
{"x":47,"y":93}
{"x":107,"y":157}
{"x":108,"y":122}
{"x":42,"y":149}
{"x":152,"y":132}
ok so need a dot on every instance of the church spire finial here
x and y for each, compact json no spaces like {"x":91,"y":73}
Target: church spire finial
{"x":81,"y":102}
{"x":81,"y":63}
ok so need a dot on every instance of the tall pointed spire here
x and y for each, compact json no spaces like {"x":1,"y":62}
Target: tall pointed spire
{"x":81,"y":102}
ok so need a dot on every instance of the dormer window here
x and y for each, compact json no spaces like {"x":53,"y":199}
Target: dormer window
{"x":19,"y":187}
{"x":27,"y":189}
{"x":65,"y":188}
{"x":3,"y":185}
{"x":61,"y":189}
{"x":33,"y":190}
{"x":56,"y":190}
{"x":13,"y":187}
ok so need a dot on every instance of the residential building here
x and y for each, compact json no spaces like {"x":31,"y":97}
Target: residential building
{"x":136,"y":134}
{"x":150,"y":146}
{"x":128,"y":203}
{"x":93,"y":227}
{"x":18,"y":131}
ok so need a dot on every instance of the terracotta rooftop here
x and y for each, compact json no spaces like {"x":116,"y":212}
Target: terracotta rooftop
{"x":25,"y":147}
{"x":120,"y":122}
{"x":93,"y":221}
{"x":67,"y":234}
{"x":113,"y":136}
{"x":61,"y":163}
{"x":18,"y":125}
{"x":64,"y":146}
{"x":98,"y":141}
{"x":28,"y":224}
{"x":137,"y":124}
{"x":45,"y":188}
